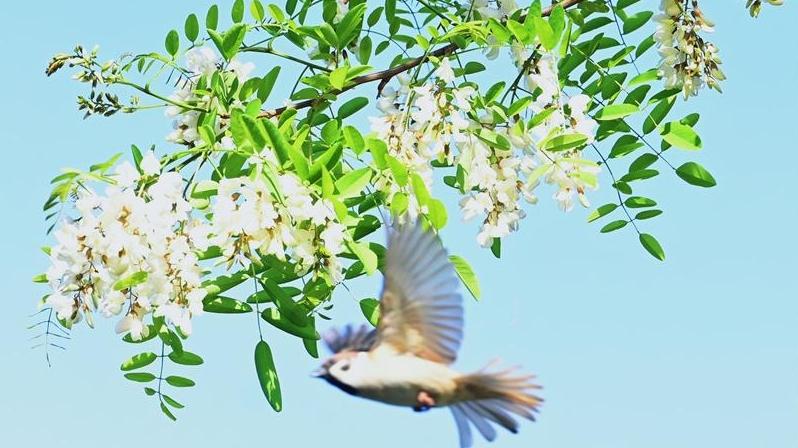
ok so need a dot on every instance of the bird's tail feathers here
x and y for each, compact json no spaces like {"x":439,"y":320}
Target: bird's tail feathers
{"x":486,"y":398}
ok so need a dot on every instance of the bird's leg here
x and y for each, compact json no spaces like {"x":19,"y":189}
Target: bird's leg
{"x":424,"y":402}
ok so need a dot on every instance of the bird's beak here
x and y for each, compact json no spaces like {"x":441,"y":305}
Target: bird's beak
{"x":321,"y":372}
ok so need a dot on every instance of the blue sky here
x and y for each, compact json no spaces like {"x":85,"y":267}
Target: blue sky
{"x":701,"y":350}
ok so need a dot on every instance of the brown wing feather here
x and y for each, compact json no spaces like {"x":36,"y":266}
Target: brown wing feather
{"x":421,"y":310}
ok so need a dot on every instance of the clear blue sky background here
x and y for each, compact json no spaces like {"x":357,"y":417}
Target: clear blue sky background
{"x":699,"y":351}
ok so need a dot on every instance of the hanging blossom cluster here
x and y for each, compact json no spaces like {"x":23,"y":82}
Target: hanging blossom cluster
{"x":496,"y":178}
{"x":434,"y":122}
{"x":131,"y":251}
{"x":135,"y":249}
{"x":688,"y":61}
{"x":200,"y":61}
{"x":251,"y":219}
{"x":419,"y":125}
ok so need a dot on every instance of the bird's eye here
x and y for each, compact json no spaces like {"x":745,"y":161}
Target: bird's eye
{"x":345,"y":367}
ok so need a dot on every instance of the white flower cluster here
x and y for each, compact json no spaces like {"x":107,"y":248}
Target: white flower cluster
{"x":434,"y":122}
{"x":421,"y":124}
{"x":687,"y":61}
{"x":200,"y":61}
{"x":147,"y":235}
{"x":136,"y":248}
{"x":501,"y":177}
{"x":283,"y":220}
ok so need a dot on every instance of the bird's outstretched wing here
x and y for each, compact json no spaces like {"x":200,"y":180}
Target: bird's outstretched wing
{"x":421,"y":310}
{"x":350,"y":338}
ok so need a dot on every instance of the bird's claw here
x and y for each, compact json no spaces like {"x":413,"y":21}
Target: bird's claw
{"x":425,"y":402}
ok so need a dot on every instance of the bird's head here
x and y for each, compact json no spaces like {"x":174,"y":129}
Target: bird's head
{"x":338,"y":370}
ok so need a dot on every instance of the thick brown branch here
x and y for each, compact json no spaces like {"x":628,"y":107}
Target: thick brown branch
{"x":385,"y":75}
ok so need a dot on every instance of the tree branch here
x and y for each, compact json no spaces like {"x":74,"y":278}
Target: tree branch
{"x":385,"y":75}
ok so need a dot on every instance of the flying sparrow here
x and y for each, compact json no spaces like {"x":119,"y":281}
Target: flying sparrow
{"x":406,"y":360}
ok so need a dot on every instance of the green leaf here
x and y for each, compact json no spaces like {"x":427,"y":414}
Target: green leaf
{"x":312,"y":347}
{"x":233,"y":39}
{"x":225,"y":305}
{"x":290,"y":309}
{"x":420,"y":189}
{"x":267,"y":83}
{"x":172,"y":42}
{"x":257,"y":11}
{"x":634,"y":22}
{"x":170,"y":338}
{"x":644,"y":45}
{"x":639,"y":175}
{"x":152,"y":333}
{"x":350,"y":25}
{"x":230,"y":42}
{"x":565,"y":142}
{"x":390,"y":10}
{"x":267,"y":375}
{"x":131,"y":281}
{"x":172,"y":402}
{"x":275,"y":318}
{"x":681,"y":136}
{"x":352,"y":106}
{"x":364,"y":50}
{"x":398,"y":169}
{"x":658,"y":114}
{"x":140,"y":377}
{"x":496,"y":247}
{"x":595,"y":23}
{"x":222,"y":283}
{"x":616,"y":111}
{"x":212,"y":18}
{"x":138,"y":361}
{"x":545,"y":33}
{"x":643,"y":162}
{"x":167,"y":412}
{"x":695,"y":174}
{"x":40,"y":278}
{"x":149,"y":391}
{"x":191,"y":27}
{"x":639,"y":202}
{"x":648,"y":214}
{"x":623,"y":187}
{"x":237,"y":12}
{"x":399,"y":204}
{"x":645,"y":77}
{"x":615,"y":225}
{"x":282,"y":148}
{"x":338,"y":77}
{"x":467,"y":275}
{"x":371,"y":309}
{"x":604,"y":210}
{"x":365,"y":255}
{"x":352,"y":183}
{"x":625,"y":3}
{"x":652,"y":246}
{"x":179,"y":381}
{"x":557,"y":21}
{"x":185,"y":358}
{"x":437,"y":213}
{"x":353,"y":139}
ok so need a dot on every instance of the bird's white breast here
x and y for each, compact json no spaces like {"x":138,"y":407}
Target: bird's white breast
{"x":397,"y":379}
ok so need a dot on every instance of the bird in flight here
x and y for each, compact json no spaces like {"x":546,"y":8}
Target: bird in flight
{"x":406,"y":360}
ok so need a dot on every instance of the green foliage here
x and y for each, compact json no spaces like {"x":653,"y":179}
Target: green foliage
{"x":299,"y":119}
